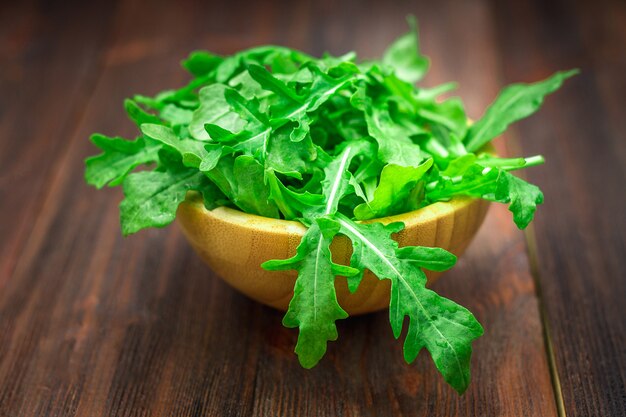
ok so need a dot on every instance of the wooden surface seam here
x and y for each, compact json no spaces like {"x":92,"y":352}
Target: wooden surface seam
{"x":531,"y":245}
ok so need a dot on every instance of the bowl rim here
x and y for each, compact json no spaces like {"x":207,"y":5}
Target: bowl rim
{"x":428,"y":214}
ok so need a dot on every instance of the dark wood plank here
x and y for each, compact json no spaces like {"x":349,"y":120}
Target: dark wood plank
{"x":579,"y":232}
{"x":47,"y":71}
{"x":93,"y":324}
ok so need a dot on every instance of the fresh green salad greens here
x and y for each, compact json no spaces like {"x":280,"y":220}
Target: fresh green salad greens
{"x":328,"y":142}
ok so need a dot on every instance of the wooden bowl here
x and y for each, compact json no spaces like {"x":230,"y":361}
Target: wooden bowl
{"x":234,"y":244}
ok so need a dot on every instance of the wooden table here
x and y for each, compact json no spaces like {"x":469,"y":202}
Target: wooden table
{"x":92,"y":324}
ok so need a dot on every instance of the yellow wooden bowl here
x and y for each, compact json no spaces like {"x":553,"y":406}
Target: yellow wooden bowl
{"x":234,"y":244}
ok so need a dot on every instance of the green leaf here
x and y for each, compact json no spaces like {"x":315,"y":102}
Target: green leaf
{"x":336,"y":184}
{"x":433,"y":259}
{"x":271,"y":83}
{"x":201,"y":63}
{"x":247,"y":86}
{"x":443,"y":327}
{"x":288,"y":157}
{"x":152,"y":197}
{"x":324,"y":87}
{"x":291,"y":204}
{"x":186,"y":96}
{"x":393,"y":191}
{"x":293,"y":107}
{"x":139,"y":115}
{"x":449,"y":114}
{"x":515,"y":102}
{"x":427,"y":95}
{"x":248,"y":110}
{"x":404,"y":56}
{"x":509,"y":164}
{"x":241,"y":180}
{"x":120,"y":157}
{"x":214,"y":109}
{"x":176,"y":115}
{"x":465,"y":176}
{"x":336,"y":181}
{"x":250,"y":142}
{"x":459,"y":166}
{"x":219,"y":134}
{"x":524,"y":197}
{"x":314,"y":307}
{"x":394,"y":145}
{"x":252,"y":194}
{"x":195,"y":153}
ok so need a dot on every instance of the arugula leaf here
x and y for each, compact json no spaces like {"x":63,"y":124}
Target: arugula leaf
{"x":524,"y":197}
{"x":509,"y":164}
{"x":249,"y":110}
{"x":316,"y":272}
{"x":195,"y":153}
{"x":248,"y":87}
{"x":314,"y":307}
{"x":394,"y":145}
{"x":293,"y":107}
{"x":120,"y":157}
{"x":271,"y":83}
{"x":465,"y":177}
{"x":253,"y":139}
{"x":176,"y":115}
{"x":290,"y":203}
{"x":392,"y":194}
{"x":241,"y":180}
{"x":404,"y":56}
{"x":252,"y":194}
{"x":433,"y":259}
{"x":443,"y":327}
{"x":201,"y":63}
{"x":214,"y":109}
{"x":449,"y":114}
{"x":337,"y":178}
{"x":288,"y":157}
{"x":152,"y":197}
{"x":139,"y":115}
{"x":325,"y":86}
{"x":514,"y":103}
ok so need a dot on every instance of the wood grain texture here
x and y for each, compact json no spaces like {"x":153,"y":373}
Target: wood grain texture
{"x":47,"y":72}
{"x":92,"y":324}
{"x":580,"y":231}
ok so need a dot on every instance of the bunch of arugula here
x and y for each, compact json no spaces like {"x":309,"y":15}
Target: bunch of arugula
{"x":327,"y":142}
